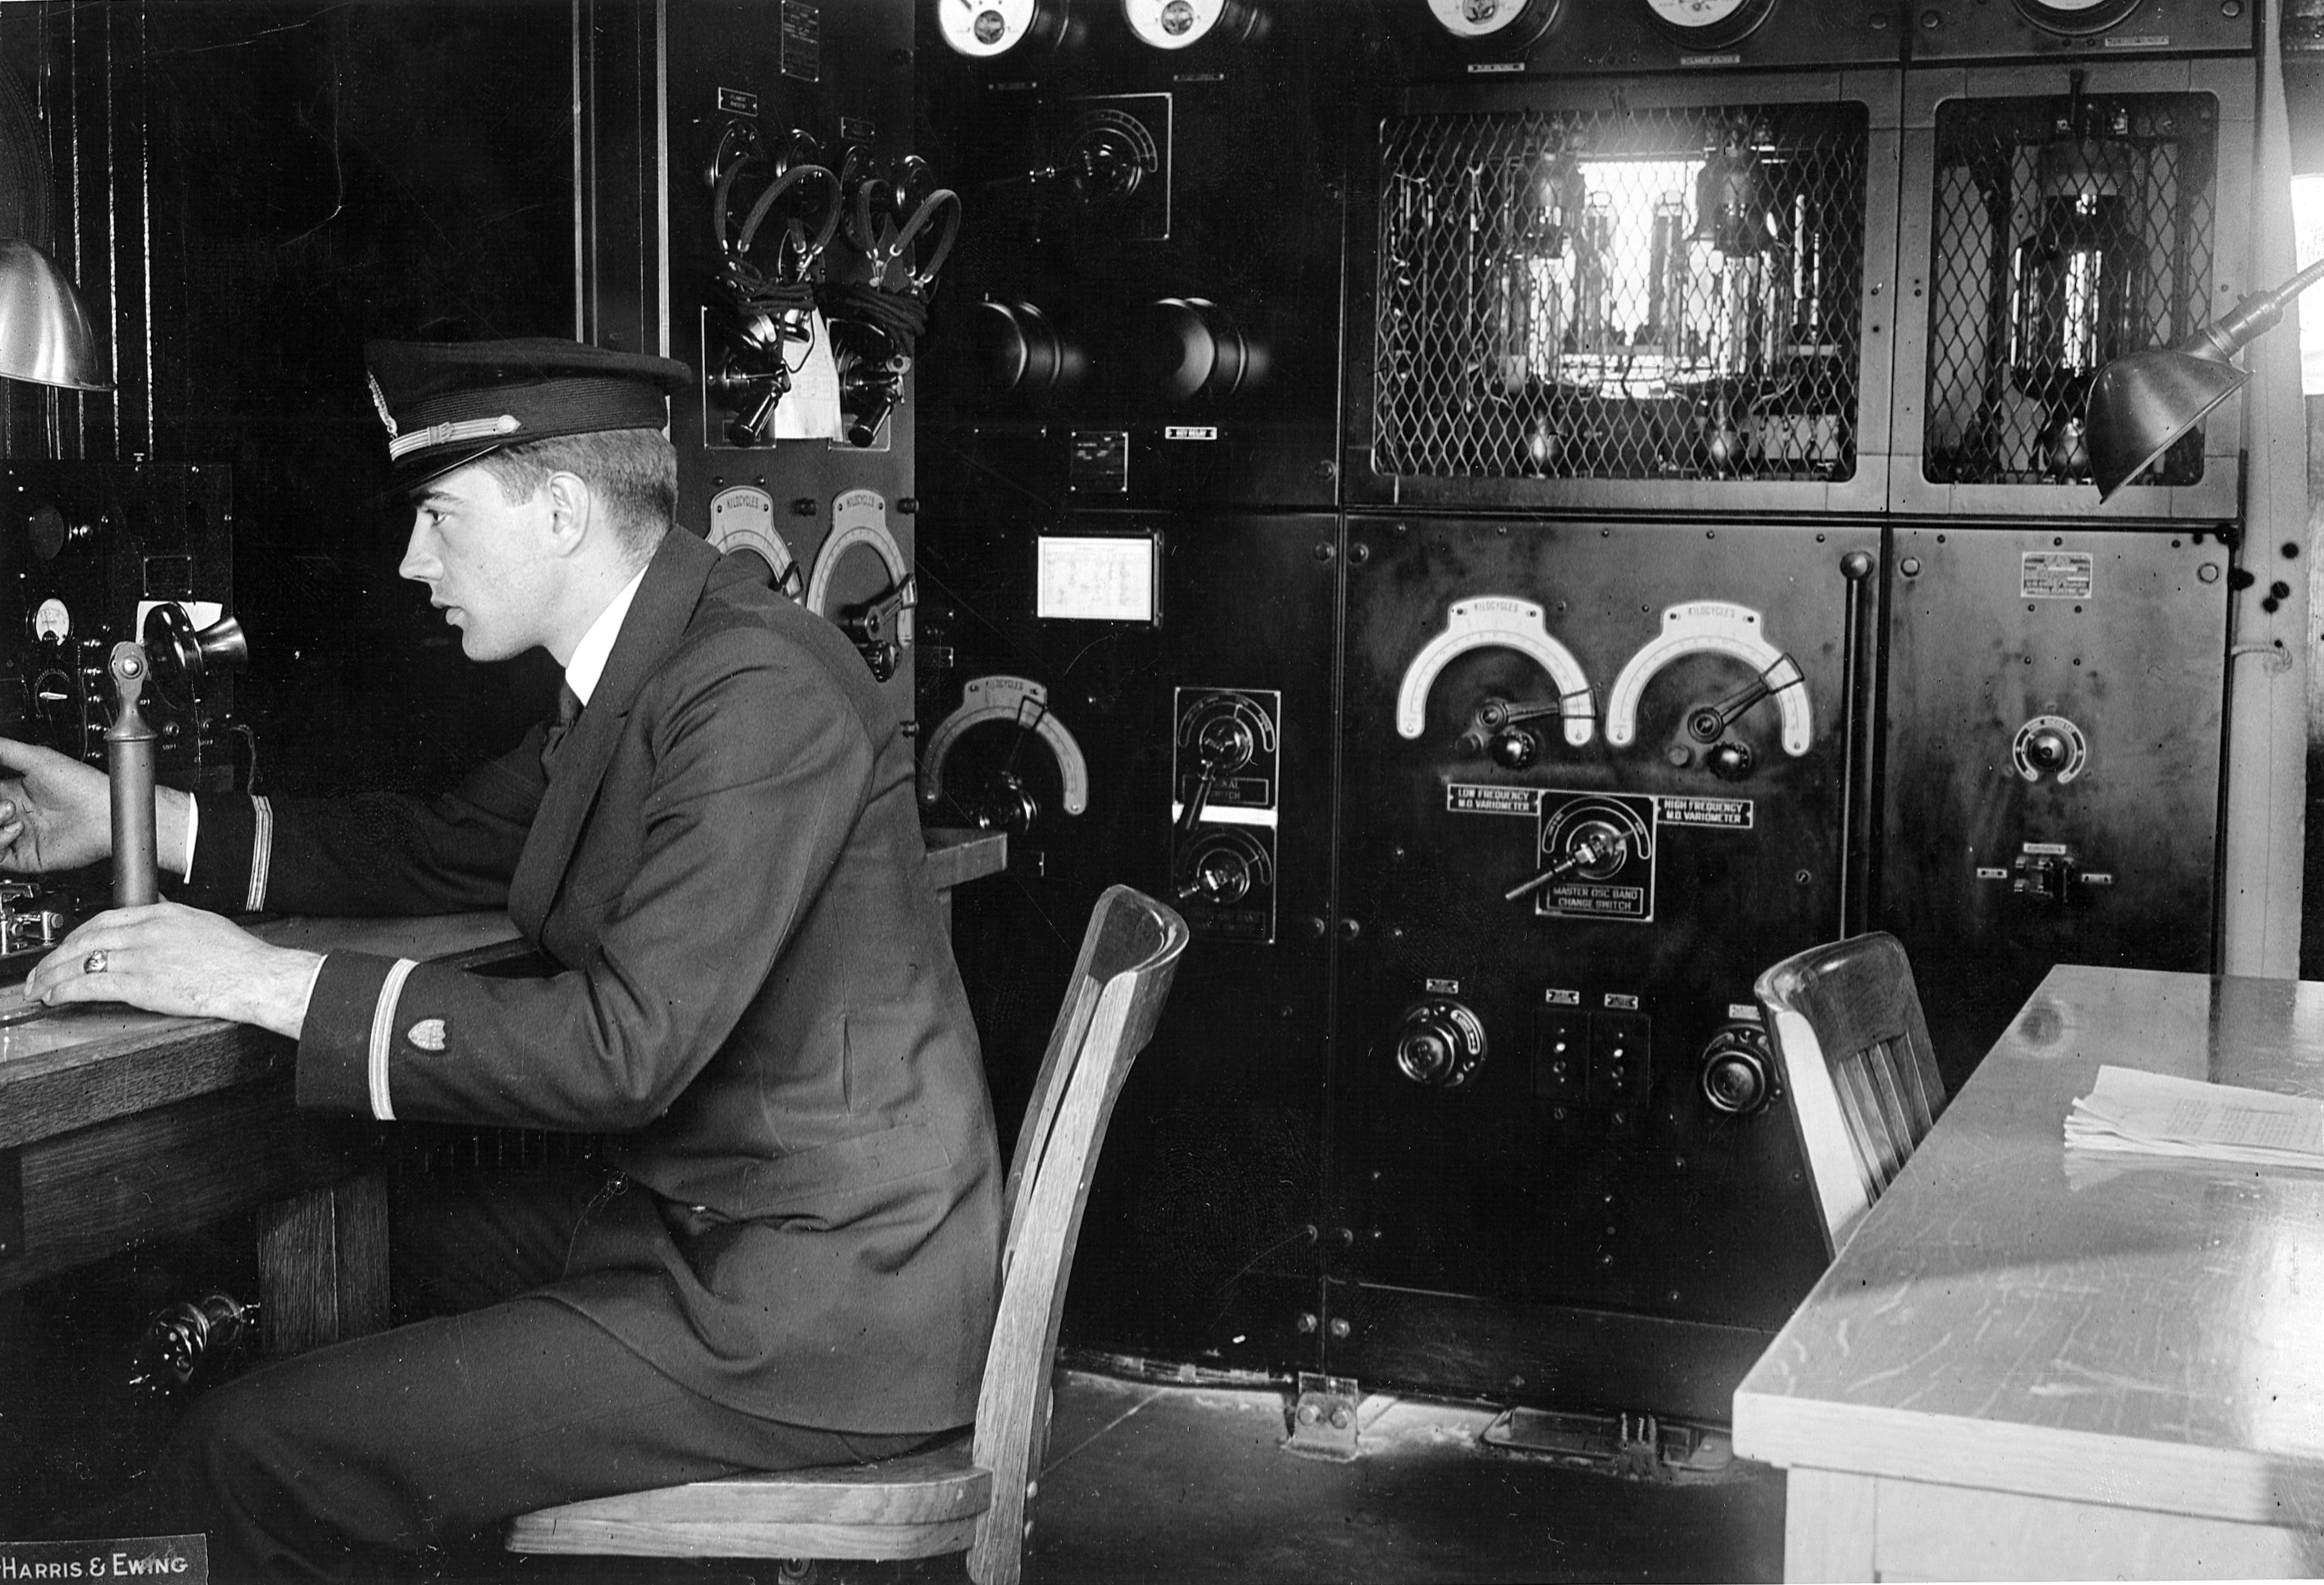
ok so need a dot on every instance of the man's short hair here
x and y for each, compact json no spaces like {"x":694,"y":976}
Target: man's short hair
{"x":632,"y":473}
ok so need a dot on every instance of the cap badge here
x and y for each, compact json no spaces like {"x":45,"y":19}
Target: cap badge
{"x":379,"y":400}
{"x":428,"y":1035}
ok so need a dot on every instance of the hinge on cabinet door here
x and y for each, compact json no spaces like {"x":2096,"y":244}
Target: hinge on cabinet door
{"x":1323,"y":1418}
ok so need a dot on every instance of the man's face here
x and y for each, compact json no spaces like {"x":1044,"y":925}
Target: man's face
{"x":482,"y":559}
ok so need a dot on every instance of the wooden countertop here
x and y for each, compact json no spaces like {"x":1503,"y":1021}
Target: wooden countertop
{"x":69,"y":1068}
{"x":2102,"y":1329}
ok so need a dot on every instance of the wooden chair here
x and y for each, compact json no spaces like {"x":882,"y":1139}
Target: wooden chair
{"x":967,"y":1495}
{"x":1846,"y":1022}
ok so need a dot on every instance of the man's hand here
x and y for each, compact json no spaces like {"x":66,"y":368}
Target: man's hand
{"x":167,"y":958}
{"x":55,"y":813}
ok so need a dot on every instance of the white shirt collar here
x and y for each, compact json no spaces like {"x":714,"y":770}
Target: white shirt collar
{"x":597,"y":645}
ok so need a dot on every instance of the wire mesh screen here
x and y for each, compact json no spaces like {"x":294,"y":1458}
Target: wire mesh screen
{"x":2066,"y":232}
{"x":1648,"y":293}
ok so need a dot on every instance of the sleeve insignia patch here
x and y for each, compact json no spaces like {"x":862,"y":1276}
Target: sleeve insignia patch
{"x":428,"y":1035}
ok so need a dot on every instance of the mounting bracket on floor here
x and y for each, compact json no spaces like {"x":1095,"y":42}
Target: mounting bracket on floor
{"x":1323,"y":1418}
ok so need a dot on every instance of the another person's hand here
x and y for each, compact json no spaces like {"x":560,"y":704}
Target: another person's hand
{"x":169,"y":958}
{"x":55,"y":813}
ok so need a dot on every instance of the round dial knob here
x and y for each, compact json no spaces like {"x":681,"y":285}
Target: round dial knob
{"x":1515,"y":22}
{"x":1173,"y":24}
{"x":1710,"y":23}
{"x":1730,"y":760}
{"x":1739,"y":1070}
{"x":1191,"y":348}
{"x":2072,"y":17}
{"x":2050,"y":746}
{"x":983,"y":29}
{"x":1514,"y":749}
{"x":1018,"y":351}
{"x":1440,"y":1044}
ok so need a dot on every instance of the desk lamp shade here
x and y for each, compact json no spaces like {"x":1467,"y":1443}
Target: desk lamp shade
{"x":2142,"y":402}
{"x":45,"y":336}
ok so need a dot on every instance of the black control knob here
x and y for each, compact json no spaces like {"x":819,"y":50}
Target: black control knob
{"x":2048,"y":749}
{"x":1441,"y":1043}
{"x":1107,"y":163}
{"x":1514,"y":750}
{"x":1730,"y":760}
{"x":1189,"y":348}
{"x":1739,"y":1070}
{"x":1018,"y":351}
{"x":1004,"y":803}
{"x":191,"y":1338}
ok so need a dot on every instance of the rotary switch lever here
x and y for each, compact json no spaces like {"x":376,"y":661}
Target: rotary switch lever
{"x":1440,"y":1044}
{"x":1502,"y":729}
{"x":1225,"y":745}
{"x":877,"y":625}
{"x":1707,"y":723}
{"x":1595,"y":850}
{"x":1220,"y":872}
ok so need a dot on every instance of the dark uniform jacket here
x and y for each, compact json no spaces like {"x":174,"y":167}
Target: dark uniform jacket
{"x":756,"y":994}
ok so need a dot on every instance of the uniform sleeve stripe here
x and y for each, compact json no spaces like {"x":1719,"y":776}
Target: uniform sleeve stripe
{"x":383,"y":1036}
{"x":262,"y":853}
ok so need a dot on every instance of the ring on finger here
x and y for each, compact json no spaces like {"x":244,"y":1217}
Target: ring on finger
{"x":95,"y":962}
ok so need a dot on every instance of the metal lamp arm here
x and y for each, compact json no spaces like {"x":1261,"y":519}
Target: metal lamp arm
{"x":2251,"y":318}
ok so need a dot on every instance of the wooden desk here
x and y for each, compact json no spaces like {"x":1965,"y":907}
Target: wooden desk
{"x":2026,"y":1364}
{"x":117,"y":1125}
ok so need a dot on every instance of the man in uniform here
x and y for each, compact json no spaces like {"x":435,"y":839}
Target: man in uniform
{"x":791,"y":1256}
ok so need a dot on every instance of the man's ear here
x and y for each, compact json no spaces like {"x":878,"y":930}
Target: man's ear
{"x":572,"y":511}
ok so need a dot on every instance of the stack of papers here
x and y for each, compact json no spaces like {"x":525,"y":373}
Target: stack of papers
{"x":2154,"y":1114}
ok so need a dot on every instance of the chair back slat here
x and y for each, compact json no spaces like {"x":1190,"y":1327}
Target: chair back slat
{"x":1859,"y":1070}
{"x":1872,"y":1122}
{"x":1127,"y":960}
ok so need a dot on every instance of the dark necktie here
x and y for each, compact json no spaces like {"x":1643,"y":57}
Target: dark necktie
{"x":568,"y":706}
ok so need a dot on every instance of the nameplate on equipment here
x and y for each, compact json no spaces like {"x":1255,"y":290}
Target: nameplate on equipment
{"x":2057,"y":575}
{"x":1715,"y":814}
{"x":1463,"y":798}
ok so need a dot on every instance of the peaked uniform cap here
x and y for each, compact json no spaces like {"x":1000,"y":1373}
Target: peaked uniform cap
{"x":445,"y":403}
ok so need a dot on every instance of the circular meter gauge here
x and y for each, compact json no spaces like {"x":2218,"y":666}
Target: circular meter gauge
{"x":1516,"y":23}
{"x":1173,"y":24}
{"x":52,"y":622}
{"x":2076,"y":16}
{"x":1710,"y":23}
{"x":983,"y":29}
